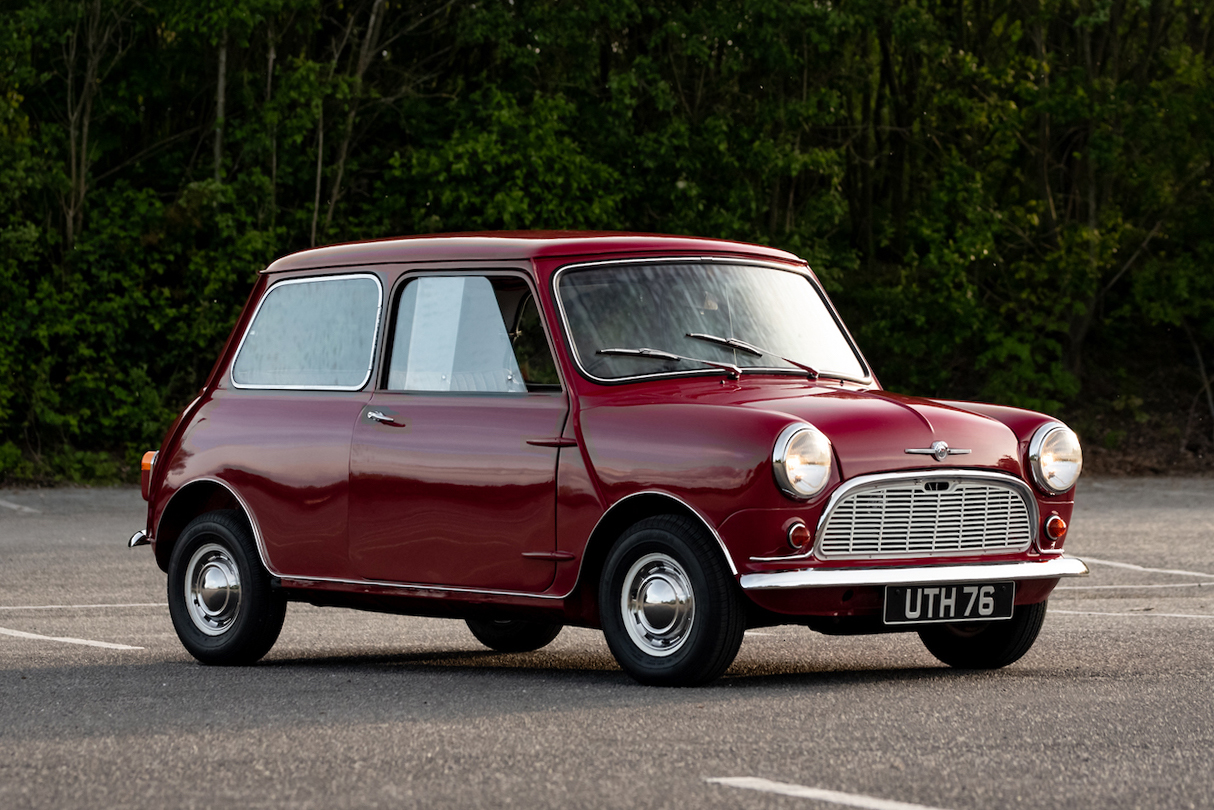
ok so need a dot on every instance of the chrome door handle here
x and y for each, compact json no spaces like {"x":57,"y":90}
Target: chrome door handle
{"x":380,"y":417}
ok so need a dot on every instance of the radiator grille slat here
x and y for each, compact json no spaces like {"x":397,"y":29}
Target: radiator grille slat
{"x":905,"y":518}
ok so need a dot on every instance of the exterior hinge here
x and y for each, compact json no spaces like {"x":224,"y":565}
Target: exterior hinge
{"x":552,"y":556}
{"x":557,"y":442}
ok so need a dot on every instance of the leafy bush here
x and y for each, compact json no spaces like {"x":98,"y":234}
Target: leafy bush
{"x":1008,"y":202}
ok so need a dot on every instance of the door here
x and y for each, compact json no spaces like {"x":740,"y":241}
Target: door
{"x":277,"y":430}
{"x":453,"y":460}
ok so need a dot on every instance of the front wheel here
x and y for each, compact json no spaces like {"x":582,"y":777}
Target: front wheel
{"x":220,"y":599}
{"x":670,"y":609}
{"x":513,"y":635}
{"x":985,"y":645}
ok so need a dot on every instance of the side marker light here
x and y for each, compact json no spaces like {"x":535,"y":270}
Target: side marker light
{"x":1055,"y":529}
{"x":798,"y":535}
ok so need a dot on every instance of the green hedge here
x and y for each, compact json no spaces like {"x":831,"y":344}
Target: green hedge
{"x":1009,"y":200}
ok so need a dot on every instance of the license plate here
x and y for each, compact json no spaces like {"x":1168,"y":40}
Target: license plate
{"x":961,"y":602}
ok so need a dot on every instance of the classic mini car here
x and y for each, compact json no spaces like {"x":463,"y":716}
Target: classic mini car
{"x":672,"y":439}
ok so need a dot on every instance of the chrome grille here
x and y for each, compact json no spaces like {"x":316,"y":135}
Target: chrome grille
{"x":927,"y":516}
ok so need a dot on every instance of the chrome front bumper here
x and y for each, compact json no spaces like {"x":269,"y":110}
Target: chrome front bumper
{"x":139,"y":538}
{"x":918,"y":575}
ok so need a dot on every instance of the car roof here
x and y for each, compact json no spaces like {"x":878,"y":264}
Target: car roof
{"x":513,"y":246}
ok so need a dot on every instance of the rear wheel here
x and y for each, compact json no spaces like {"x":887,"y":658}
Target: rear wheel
{"x":985,"y":645}
{"x":220,"y":599}
{"x":513,"y":635}
{"x":670,"y":609}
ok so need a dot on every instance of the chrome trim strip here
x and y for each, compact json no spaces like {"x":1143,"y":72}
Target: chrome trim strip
{"x":939,"y":451}
{"x":801,"y":271}
{"x":804,"y":555}
{"x":411,"y":586}
{"x":379,"y":309}
{"x":244,"y":505}
{"x":733,"y":569}
{"x":876,"y":480}
{"x":923,"y":574}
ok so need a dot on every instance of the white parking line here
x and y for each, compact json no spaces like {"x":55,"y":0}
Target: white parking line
{"x":1133,"y":587}
{"x":20,"y":634}
{"x":80,"y":607}
{"x":802,"y":792}
{"x":19,"y":508}
{"x":1138,"y":613}
{"x":1148,"y":570}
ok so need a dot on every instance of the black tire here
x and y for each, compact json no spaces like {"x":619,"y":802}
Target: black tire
{"x":220,"y":599}
{"x":985,"y":645}
{"x":513,"y":635}
{"x":670,"y":608}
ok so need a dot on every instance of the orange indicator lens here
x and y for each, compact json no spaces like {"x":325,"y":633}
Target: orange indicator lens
{"x":1055,"y":528}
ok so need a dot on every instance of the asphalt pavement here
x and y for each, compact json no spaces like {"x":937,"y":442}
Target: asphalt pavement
{"x":100,"y":706}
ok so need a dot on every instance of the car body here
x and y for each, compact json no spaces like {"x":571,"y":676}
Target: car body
{"x":670,"y":438}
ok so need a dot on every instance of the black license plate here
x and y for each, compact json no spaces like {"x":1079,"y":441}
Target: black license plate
{"x":959,"y":602}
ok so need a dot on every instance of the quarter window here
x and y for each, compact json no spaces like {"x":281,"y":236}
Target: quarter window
{"x":313,"y":333}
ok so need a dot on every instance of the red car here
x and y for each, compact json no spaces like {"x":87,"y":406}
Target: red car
{"x":669,"y":438}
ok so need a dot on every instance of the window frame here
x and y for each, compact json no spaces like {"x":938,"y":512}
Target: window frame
{"x":389,"y":330}
{"x":379,"y":307}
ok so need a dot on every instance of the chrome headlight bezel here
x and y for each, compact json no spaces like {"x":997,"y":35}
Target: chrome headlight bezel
{"x":1040,"y":445}
{"x":790,"y":442}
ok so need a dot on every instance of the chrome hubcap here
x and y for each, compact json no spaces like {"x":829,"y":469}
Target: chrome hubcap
{"x":212,"y":583}
{"x":658,"y":604}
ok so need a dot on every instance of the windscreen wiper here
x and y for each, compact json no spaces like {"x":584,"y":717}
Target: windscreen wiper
{"x":657,"y":354}
{"x":750,"y":348}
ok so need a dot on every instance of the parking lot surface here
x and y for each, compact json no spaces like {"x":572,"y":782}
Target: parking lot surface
{"x":101,"y":706}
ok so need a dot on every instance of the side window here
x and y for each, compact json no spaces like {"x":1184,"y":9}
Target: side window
{"x":313,"y":333}
{"x":531,"y":348}
{"x":451,"y":335}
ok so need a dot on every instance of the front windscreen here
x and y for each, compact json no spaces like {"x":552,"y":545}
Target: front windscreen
{"x":613,"y":311}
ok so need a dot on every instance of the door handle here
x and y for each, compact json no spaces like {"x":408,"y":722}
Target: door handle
{"x":391,"y":420}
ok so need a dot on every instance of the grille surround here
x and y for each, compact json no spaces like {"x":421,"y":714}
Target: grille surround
{"x":927,"y":514}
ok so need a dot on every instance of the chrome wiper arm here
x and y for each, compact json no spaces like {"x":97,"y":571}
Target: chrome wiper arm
{"x":750,"y":348}
{"x":732,"y":343}
{"x":657,"y":354}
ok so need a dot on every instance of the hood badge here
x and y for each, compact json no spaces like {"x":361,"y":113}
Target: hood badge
{"x":939,"y":451}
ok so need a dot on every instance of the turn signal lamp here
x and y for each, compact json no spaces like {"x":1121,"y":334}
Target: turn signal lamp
{"x":145,"y":471}
{"x":798,"y":535}
{"x":1055,"y":530}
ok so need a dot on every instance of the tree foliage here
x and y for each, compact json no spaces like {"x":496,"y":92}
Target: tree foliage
{"x":1009,"y":199}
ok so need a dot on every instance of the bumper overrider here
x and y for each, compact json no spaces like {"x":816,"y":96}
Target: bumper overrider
{"x":1052,"y":568}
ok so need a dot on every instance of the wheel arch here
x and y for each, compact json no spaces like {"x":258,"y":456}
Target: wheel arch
{"x":194,"y":499}
{"x":615,"y":521}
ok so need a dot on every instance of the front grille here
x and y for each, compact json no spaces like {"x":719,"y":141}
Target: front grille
{"x":922,"y":517}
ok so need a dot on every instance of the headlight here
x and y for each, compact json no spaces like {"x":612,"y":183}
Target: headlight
{"x":1055,"y":457}
{"x":801,"y":460}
